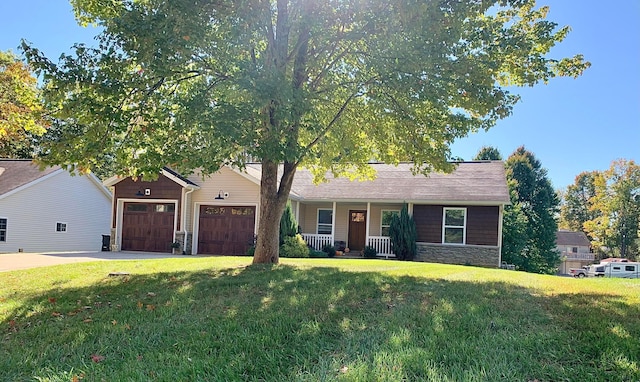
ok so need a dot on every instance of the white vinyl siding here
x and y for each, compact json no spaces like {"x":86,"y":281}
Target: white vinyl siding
{"x":242,"y":192}
{"x":34,"y":211}
{"x":309,"y":216}
{"x":454,"y":225}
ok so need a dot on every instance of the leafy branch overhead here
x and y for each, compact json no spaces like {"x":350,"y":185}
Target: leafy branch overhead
{"x":327,"y":84}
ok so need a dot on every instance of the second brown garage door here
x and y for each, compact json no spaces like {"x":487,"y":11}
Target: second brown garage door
{"x":226,"y":230}
{"x":148,"y":227}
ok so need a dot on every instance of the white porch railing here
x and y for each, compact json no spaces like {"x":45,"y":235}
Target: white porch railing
{"x":578,"y":256}
{"x":317,"y":241}
{"x":382,"y":244}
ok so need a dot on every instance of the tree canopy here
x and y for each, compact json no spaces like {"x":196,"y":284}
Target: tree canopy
{"x":530,"y":222}
{"x":576,"y":208}
{"x":614,"y":222}
{"x":488,"y":153}
{"x":329,"y":85}
{"x":21,"y":109}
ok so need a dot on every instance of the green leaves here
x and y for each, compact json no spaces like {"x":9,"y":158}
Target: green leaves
{"x":613,"y":208}
{"x":288,"y":224}
{"x":314,"y":83}
{"x":577,"y":201}
{"x":403,"y":235}
{"x":530,"y":224}
{"x":330,"y":85}
{"x":21,"y":109}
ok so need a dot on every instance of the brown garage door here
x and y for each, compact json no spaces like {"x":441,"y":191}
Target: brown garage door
{"x":226,"y":230}
{"x":148,"y":227}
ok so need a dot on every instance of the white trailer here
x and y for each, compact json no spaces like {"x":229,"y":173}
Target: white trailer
{"x":628,"y":270}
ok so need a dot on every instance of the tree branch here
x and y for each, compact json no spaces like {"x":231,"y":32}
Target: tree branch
{"x":336,"y":117}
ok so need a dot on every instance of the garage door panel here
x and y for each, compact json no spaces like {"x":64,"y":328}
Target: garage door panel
{"x":148,"y":226}
{"x":225,"y":230}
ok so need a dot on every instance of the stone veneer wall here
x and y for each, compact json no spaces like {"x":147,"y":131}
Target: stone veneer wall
{"x":180,"y":239}
{"x":483,"y":256}
{"x":189,"y":240}
{"x":112,"y":240}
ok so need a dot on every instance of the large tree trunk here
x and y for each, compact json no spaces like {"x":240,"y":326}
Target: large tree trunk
{"x":273,"y":200}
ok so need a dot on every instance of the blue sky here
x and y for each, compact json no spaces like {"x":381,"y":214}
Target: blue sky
{"x":571,"y":125}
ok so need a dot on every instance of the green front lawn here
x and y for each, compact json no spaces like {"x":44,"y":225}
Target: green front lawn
{"x":214,"y":319}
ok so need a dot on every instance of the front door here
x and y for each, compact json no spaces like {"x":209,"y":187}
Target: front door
{"x":357,"y":230}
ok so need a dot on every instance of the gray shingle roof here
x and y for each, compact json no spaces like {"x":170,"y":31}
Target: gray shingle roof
{"x":180,"y":177}
{"x":16,"y":173}
{"x":479,"y":182}
{"x":572,"y":238}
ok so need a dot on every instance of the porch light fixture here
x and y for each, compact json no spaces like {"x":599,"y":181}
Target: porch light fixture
{"x":219,"y":197}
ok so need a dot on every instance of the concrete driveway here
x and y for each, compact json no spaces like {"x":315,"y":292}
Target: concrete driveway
{"x":15,"y":261}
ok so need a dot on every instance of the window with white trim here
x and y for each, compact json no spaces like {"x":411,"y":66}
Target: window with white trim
{"x":325,"y":221}
{"x":61,"y":227}
{"x":3,"y":229}
{"x":454,"y":225}
{"x":385,"y":220}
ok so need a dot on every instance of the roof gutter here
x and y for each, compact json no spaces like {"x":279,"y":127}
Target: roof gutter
{"x":414,"y":201}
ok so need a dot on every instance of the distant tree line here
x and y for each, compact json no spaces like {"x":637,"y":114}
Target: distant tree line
{"x":605,"y":205}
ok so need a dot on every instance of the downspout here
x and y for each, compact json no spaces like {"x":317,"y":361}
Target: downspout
{"x":113,"y":227}
{"x":184,"y":219}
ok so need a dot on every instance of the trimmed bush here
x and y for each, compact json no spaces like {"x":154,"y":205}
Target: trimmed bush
{"x":403,"y":235}
{"x":294,"y":246}
{"x":317,"y":254}
{"x":288,"y":224}
{"x":330,"y":250}
{"x":369,"y":252}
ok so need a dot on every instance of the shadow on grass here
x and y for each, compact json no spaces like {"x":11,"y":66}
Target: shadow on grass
{"x":317,"y":324}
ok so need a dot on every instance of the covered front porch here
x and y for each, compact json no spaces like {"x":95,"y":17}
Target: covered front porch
{"x":349,"y":224}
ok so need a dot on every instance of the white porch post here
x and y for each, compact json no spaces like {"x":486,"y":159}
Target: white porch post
{"x":366,"y":240}
{"x":410,"y":209}
{"x":298,"y":213}
{"x":333,"y":224}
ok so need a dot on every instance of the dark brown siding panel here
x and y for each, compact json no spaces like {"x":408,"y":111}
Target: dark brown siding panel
{"x":428,"y":223}
{"x":161,"y":188}
{"x":482,"y":225}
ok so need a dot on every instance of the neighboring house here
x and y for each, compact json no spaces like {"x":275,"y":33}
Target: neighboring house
{"x":458,"y":215}
{"x":575,"y":250}
{"x":50,"y":210}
